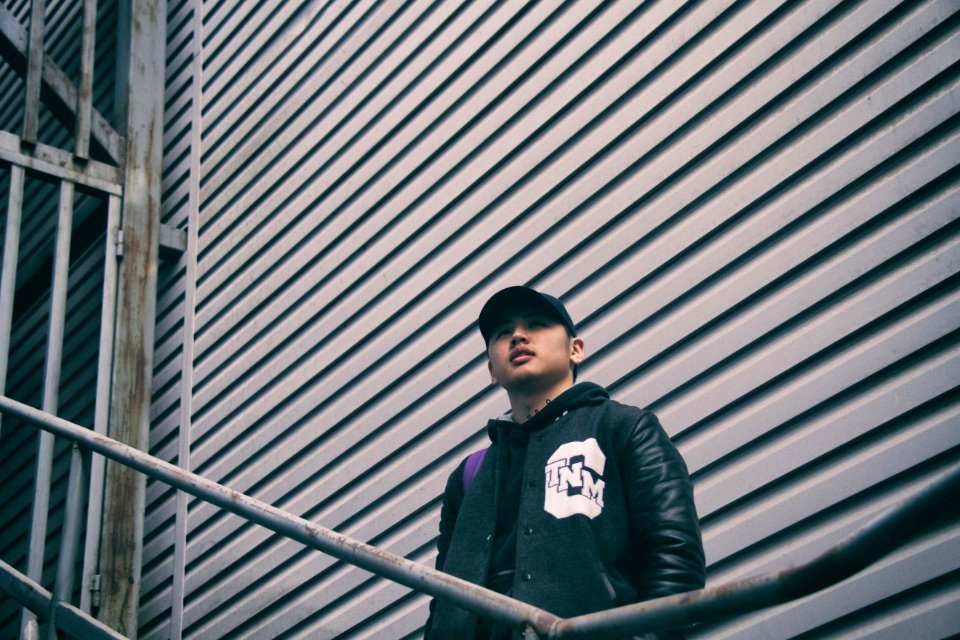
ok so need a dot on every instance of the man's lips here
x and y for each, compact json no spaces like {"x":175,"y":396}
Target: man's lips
{"x":520,"y":355}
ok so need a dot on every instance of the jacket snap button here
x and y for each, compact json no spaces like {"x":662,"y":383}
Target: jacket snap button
{"x":489,"y":537}
{"x":526,"y":577}
{"x":528,"y":531}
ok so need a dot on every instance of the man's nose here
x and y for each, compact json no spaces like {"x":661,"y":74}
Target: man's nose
{"x":519,"y":335}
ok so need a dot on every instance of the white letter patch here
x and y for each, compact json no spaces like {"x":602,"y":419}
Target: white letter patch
{"x":574,"y":478}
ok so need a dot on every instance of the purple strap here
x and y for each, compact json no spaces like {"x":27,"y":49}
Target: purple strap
{"x":474,"y":460}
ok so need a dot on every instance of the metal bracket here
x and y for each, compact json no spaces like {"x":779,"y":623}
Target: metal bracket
{"x":173,"y":242}
{"x":95,"y":589}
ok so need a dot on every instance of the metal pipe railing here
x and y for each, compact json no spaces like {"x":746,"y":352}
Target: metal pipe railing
{"x":935,"y":504}
{"x":488,"y":603}
{"x":938,"y":502}
{"x":77,"y":623}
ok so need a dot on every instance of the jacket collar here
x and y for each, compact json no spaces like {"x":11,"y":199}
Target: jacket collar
{"x":579,"y":395}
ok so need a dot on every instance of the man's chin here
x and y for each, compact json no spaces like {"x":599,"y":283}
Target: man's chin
{"x":529,"y":383}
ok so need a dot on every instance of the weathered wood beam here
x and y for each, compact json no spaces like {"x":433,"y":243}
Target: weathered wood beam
{"x":140,"y":74}
{"x":59,"y":164}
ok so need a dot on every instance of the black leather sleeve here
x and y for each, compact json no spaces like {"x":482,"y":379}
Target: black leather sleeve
{"x":452,"y":499}
{"x":665,"y":529}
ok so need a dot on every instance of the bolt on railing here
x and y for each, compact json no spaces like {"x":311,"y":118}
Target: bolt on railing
{"x":935,"y":504}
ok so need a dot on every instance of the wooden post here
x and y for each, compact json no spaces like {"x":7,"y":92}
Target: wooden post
{"x":142,"y":51}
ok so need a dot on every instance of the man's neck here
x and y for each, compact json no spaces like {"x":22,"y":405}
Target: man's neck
{"x":525,"y":405}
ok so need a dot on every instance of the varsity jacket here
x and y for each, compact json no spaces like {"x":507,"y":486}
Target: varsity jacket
{"x":605,"y":515}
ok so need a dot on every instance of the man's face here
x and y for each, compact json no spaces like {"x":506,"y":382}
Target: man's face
{"x":530,"y":350}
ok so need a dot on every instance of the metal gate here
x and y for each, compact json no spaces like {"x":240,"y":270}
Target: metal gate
{"x":82,"y":194}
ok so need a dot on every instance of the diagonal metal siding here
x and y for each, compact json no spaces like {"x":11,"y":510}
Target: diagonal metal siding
{"x":750,"y":207}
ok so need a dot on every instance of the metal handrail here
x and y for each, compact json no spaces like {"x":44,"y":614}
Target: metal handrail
{"x":892,"y":529}
{"x":64,"y":615}
{"x":936,"y":503}
{"x":399,"y":569}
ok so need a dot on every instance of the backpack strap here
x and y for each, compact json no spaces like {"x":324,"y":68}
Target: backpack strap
{"x":474,"y":460}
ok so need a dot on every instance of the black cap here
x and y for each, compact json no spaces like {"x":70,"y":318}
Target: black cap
{"x":511,"y":298}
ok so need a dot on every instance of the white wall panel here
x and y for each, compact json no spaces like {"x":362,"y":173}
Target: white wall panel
{"x":751,"y":208}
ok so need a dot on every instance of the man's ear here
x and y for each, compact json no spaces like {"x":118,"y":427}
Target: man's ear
{"x":577,"y":353}
{"x":493,"y":379}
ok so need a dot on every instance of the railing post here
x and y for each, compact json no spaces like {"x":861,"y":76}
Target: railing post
{"x":66,"y":559}
{"x":31,"y":116}
{"x":8,"y":272}
{"x":51,"y":397}
{"x":101,"y":416}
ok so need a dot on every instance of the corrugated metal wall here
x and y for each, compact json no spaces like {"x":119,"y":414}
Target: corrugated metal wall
{"x":750,"y":208}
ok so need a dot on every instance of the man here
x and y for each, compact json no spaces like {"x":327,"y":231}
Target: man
{"x":580,"y":503}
